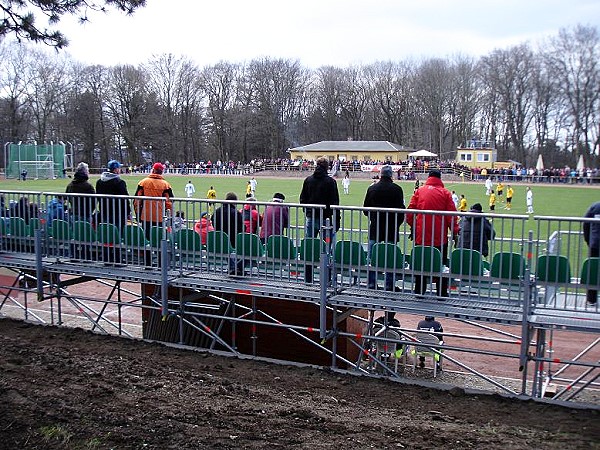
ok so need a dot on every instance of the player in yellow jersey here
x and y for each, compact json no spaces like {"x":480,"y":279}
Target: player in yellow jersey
{"x":492,"y":201}
{"x":462,"y":207}
{"x":500,"y":190}
{"x":211,"y":195}
{"x":509,"y":196}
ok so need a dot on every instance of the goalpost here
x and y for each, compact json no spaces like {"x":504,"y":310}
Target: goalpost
{"x":45,"y":161}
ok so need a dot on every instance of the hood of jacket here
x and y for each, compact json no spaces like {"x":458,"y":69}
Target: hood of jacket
{"x":107,"y":176}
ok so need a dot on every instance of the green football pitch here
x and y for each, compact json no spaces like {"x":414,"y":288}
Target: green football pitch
{"x":549,"y":200}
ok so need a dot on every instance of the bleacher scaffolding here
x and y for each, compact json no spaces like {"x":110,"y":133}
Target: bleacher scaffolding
{"x":528,"y":296}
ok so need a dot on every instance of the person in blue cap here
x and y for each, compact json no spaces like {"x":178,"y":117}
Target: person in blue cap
{"x":110,"y":184}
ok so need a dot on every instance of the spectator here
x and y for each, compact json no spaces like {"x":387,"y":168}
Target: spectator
{"x":24,"y":174}
{"x":178,"y":221}
{"x":56,"y":209}
{"x":475,"y":232}
{"x":24,"y":209}
{"x":82,"y":207}
{"x":384,"y":226}
{"x":229,"y":220}
{"x":251,"y":216}
{"x":110,"y":209}
{"x":189,"y":189}
{"x":433,"y":326}
{"x":591,"y":235}
{"x":151,"y":212}
{"x":276,"y":218}
{"x":203,"y":226}
{"x":319,"y":189}
{"x":432,"y":229}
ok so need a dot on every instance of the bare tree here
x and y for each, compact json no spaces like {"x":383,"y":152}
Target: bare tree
{"x":354,"y":102}
{"x":14,"y":115}
{"x":325,"y":103}
{"x":390,"y":85}
{"x":47,"y":87}
{"x":19,"y":16}
{"x":433,"y":94}
{"x":574,"y":56}
{"x":509,"y":74}
{"x":127,"y":107}
{"x":219,"y":84}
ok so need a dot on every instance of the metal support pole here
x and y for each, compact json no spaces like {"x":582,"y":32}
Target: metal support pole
{"x":528,"y":291}
{"x":164,"y":280}
{"x":324,"y":279}
{"x":39,"y":270}
{"x":538,"y":377}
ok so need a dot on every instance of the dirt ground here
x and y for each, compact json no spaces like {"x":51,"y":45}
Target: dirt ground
{"x":66,"y":388}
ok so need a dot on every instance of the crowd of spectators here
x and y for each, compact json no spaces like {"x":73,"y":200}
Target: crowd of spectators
{"x":408,"y":169}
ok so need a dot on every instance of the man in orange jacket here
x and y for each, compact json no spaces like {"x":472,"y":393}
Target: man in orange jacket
{"x":151,"y":212}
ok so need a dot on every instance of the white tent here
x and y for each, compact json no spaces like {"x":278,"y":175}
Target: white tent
{"x":580,"y":163}
{"x":540,"y":163}
{"x":421,"y":153}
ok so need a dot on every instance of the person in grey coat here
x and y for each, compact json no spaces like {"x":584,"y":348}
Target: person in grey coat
{"x":476,"y":232}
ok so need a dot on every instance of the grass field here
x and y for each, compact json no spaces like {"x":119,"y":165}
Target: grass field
{"x":550,"y":200}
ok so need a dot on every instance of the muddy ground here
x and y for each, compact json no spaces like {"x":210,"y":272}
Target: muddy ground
{"x":71,"y":389}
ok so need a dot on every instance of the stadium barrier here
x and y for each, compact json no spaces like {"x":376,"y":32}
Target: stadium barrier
{"x":534,"y":279}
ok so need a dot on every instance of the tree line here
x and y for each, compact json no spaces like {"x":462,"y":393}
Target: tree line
{"x":527,"y":99}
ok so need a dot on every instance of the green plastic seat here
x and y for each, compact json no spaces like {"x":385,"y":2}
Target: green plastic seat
{"x":424,"y":258}
{"x":385,"y":255}
{"x":249,"y":247}
{"x":466,"y":262}
{"x":350,"y":259}
{"x":553,"y":269}
{"x":508,"y":266}
{"x":108,"y":234}
{"x":590,"y":272}
{"x":134,"y":237}
{"x":280,"y":248}
{"x":218,"y":249}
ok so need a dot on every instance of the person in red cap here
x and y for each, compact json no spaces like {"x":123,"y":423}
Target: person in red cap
{"x":151,"y":212}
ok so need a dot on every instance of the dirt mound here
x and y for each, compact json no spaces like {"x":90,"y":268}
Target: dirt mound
{"x":71,"y":389}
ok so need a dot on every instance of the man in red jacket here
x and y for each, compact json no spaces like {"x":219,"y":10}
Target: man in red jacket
{"x":433,"y":229}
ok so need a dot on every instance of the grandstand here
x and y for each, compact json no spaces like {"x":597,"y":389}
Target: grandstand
{"x":533,"y":282}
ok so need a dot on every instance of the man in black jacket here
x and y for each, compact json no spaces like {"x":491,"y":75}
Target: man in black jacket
{"x":319,"y":189}
{"x":229,"y":220}
{"x":384,"y":226}
{"x":591,"y":235}
{"x":81,"y":207}
{"x":110,"y":184}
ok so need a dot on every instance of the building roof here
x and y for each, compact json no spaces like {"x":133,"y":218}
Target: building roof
{"x":348,"y":146}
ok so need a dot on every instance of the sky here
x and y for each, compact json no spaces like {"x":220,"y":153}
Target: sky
{"x":320,"y":32}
